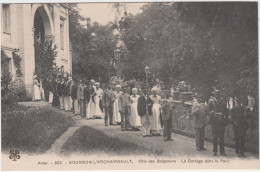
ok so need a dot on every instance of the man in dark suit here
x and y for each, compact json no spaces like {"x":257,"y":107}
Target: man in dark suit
{"x":200,"y":119}
{"x":167,"y":119}
{"x":108,"y":98}
{"x":86,"y":97}
{"x":144,"y":103}
{"x":218,"y":121}
{"x":240,"y":125}
{"x":73,"y":94}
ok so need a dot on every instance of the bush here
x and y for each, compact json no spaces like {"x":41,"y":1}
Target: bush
{"x":12,"y":90}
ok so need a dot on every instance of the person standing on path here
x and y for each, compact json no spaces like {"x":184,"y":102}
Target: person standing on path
{"x":135,"y":119}
{"x":218,"y":121}
{"x":144,"y":103}
{"x":66,"y":95}
{"x":49,"y":80}
{"x":36,"y":89}
{"x":166,"y":109}
{"x":239,"y":119}
{"x":107,"y":102}
{"x":80,"y":97}
{"x":156,"y":127}
{"x":98,"y":96}
{"x":60,"y":93}
{"x":116,"y":113}
{"x":123,"y":105}
{"x":73,"y":93}
{"x":55,"y":101}
{"x":199,"y":112}
{"x":91,"y":104}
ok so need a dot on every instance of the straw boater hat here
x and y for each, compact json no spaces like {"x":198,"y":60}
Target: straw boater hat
{"x":118,"y":86}
{"x":134,"y":90}
{"x":92,"y":81}
{"x":155,"y":89}
{"x":97,"y":83}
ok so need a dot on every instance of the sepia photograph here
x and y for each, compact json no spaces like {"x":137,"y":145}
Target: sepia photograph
{"x":129,"y":86}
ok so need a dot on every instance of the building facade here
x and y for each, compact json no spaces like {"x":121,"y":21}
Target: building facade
{"x":20,"y":23}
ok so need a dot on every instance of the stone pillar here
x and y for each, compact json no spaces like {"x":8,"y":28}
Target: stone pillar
{"x":56,"y":22}
{"x":25,"y":40}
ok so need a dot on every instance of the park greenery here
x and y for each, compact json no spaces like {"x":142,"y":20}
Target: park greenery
{"x":205,"y":44}
{"x":37,"y":129}
{"x":12,"y":86}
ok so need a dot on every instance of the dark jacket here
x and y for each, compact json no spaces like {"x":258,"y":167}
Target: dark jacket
{"x":108,"y":97}
{"x":166,"y":112}
{"x":86,"y":94}
{"x":59,"y":89}
{"x":144,"y":104}
{"x":199,"y":112}
{"x":239,"y":118}
{"x":66,"y":88}
{"x":73,"y":93}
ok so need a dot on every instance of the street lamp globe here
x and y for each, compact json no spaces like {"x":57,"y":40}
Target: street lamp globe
{"x":146,"y":69}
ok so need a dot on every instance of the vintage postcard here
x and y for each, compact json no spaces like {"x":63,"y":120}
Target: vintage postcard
{"x":129,"y":86}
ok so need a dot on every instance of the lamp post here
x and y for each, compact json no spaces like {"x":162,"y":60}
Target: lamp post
{"x":146,"y":72}
{"x":117,"y":58}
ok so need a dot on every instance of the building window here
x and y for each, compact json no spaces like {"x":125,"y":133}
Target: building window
{"x":6,"y":19}
{"x":62,"y":34}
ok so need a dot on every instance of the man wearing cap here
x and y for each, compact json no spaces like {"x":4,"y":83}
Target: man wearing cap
{"x":123,"y":105}
{"x":218,"y":121}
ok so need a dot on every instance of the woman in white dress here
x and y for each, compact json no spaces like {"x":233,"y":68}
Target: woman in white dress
{"x":91,"y":105}
{"x":135,"y":119}
{"x":156,"y":127}
{"x":36,"y":91}
{"x":98,"y":97}
{"x":116,"y":113}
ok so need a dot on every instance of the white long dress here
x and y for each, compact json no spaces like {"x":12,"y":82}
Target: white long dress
{"x":98,"y":97}
{"x":135,"y":119}
{"x":116,"y":113}
{"x":36,"y":91}
{"x":155,"y":118}
{"x":91,"y":106}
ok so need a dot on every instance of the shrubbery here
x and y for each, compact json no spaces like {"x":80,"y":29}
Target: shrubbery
{"x":12,"y":90}
{"x":32,"y":129}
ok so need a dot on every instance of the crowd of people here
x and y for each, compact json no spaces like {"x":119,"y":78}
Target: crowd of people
{"x":144,"y":109}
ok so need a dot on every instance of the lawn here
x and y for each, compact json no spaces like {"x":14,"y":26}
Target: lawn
{"x":87,"y":140}
{"x":32,"y":129}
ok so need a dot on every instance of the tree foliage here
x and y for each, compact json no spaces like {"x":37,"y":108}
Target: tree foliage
{"x":207,"y":44}
{"x":44,"y":58}
{"x":93,"y":48}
